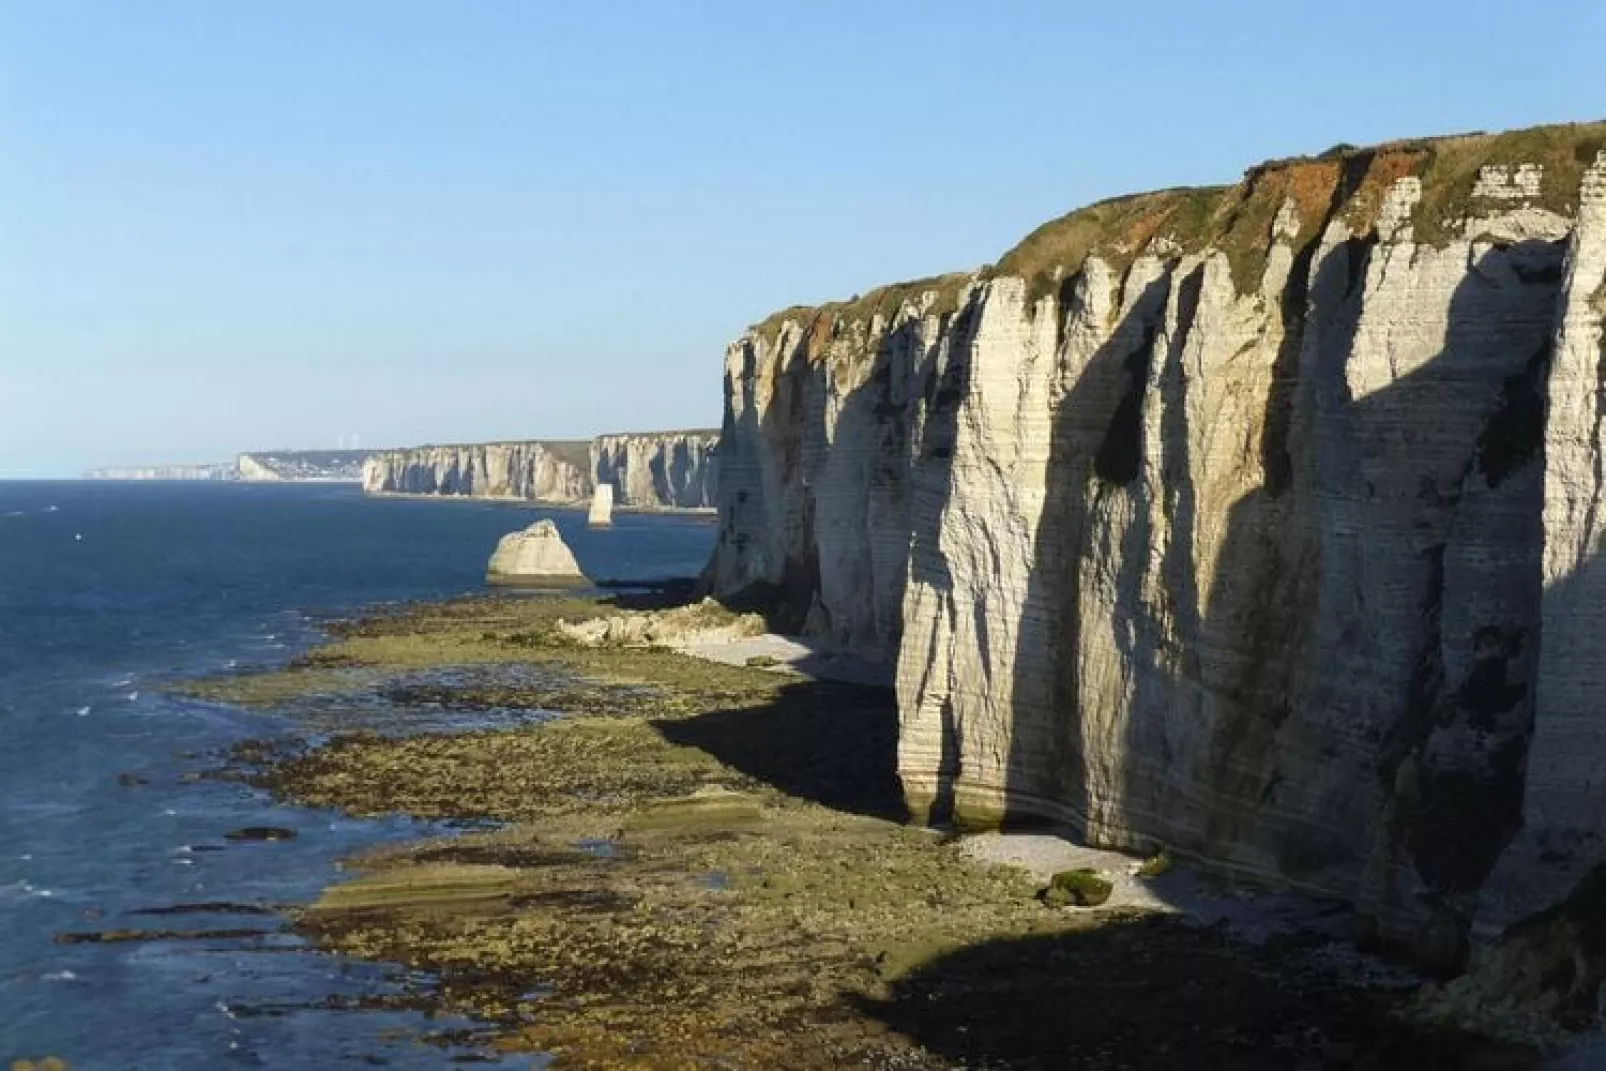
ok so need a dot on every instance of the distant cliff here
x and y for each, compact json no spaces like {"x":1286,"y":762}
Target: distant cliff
{"x":258,"y":466}
{"x":293,"y":465}
{"x":648,"y":470}
{"x":552,"y":471}
{"x":162,"y":472}
{"x":1263,"y":522}
{"x":658,"y":470}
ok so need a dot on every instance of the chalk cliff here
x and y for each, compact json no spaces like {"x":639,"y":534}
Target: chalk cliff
{"x":1258,"y":521}
{"x":553,"y":471}
{"x":648,"y":470}
{"x":658,"y":470}
{"x":163,"y":472}
{"x":273,"y":466}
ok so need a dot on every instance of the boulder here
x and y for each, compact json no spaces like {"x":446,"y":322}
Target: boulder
{"x":535,"y":556}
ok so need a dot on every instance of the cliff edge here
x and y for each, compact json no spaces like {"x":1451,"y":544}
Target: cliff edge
{"x":1260,"y":521}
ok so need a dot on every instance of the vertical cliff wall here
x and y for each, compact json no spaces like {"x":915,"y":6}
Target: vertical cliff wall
{"x":1256,"y":521}
{"x":658,"y":470}
{"x":540,"y":471}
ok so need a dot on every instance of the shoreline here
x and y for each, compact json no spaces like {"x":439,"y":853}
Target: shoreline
{"x":700,"y":862}
{"x":577,"y":504}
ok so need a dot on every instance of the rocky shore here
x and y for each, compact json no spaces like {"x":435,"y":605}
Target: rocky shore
{"x":679,"y":863}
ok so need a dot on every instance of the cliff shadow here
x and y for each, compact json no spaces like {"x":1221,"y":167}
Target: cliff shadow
{"x":1095,"y":450}
{"x":1155,"y":991}
{"x":1424,"y":487}
{"x":832,"y":743}
{"x":1369,"y":738}
{"x":945,"y":374}
{"x":836,"y":472}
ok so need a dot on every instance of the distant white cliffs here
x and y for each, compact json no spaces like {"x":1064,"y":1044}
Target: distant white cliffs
{"x":541,"y":471}
{"x":270,"y":466}
{"x":321,"y":465}
{"x":668,"y":470}
{"x":163,"y":472}
{"x":659,"y":470}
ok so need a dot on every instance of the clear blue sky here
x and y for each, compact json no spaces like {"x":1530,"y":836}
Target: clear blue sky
{"x":236,"y":225}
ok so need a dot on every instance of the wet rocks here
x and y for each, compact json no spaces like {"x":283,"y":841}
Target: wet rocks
{"x":1079,"y":888}
{"x":259,"y":834}
{"x":703,"y":622}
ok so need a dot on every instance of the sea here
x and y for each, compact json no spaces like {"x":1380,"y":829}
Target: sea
{"x":108,"y":592}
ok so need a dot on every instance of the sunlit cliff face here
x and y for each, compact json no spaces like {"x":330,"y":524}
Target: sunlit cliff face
{"x":1259,"y":522}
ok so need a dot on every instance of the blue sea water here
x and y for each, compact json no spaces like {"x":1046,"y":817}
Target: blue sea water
{"x":106,"y":591}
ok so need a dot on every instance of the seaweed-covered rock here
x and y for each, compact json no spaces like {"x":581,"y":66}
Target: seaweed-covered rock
{"x":1079,"y":888}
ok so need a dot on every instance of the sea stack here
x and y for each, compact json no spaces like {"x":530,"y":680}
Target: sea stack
{"x":601,"y":515}
{"x":534,"y":557}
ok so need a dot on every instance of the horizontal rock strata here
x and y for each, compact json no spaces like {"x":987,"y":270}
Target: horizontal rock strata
{"x":648,"y":470}
{"x":658,"y":470}
{"x":1259,"y":522}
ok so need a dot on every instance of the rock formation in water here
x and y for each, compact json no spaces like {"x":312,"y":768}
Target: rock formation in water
{"x":553,"y":471}
{"x":667,"y":470}
{"x":1261,"y":522}
{"x":658,"y":470}
{"x":601,"y":513}
{"x":537,"y":555}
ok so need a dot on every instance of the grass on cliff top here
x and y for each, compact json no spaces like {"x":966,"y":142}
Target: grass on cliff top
{"x":713,"y":432}
{"x":1450,"y":168}
{"x":883,"y":301}
{"x":576,"y":452}
{"x":1237,"y":219}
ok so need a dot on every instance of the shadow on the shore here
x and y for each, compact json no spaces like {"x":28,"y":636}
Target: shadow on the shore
{"x":835,"y":744}
{"x":664,"y":593}
{"x":1157,"y":992}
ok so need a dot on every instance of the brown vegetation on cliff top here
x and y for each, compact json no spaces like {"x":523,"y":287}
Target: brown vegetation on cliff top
{"x":1346,"y":181}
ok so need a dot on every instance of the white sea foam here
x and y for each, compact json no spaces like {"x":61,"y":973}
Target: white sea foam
{"x":84,"y":711}
{"x":59,"y":976}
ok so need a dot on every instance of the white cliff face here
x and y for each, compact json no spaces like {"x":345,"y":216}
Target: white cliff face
{"x":537,"y":471}
{"x":1271,"y":547}
{"x":658,"y":470}
{"x":254,"y":471}
{"x":302,"y":465}
{"x":816,"y":469}
{"x":671,"y":470}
